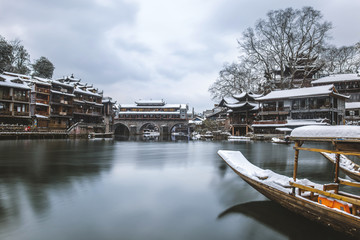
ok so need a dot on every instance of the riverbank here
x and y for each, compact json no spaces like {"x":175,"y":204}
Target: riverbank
{"x":50,"y":135}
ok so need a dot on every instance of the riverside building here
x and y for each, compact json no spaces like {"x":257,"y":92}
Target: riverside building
{"x":14,"y":100}
{"x":298,"y":107}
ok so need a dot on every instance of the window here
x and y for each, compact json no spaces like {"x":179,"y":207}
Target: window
{"x":302,"y":103}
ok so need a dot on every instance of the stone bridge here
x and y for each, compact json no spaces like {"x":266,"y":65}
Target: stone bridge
{"x":136,"y":127}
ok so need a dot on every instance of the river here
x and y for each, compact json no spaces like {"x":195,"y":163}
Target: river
{"x":90,"y":189}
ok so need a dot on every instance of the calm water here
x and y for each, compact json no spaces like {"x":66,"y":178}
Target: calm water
{"x":78,"y":189}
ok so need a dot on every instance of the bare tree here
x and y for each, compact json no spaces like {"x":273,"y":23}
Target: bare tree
{"x":286,"y":46}
{"x":20,"y":58}
{"x":5,"y":55}
{"x":234,"y":78}
{"x":345,"y":59}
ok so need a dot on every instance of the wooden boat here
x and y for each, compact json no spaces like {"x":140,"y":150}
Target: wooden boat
{"x":323,"y":203}
{"x":238,"y":139}
{"x":280,"y":141}
{"x":346,"y":165}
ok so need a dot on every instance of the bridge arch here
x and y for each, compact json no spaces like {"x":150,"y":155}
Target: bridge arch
{"x":136,"y":126}
{"x":179,"y":127}
{"x":149,"y":126}
{"x":121,"y":130}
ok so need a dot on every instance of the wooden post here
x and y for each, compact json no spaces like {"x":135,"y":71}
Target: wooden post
{"x":337,"y":166}
{"x":297,"y":144}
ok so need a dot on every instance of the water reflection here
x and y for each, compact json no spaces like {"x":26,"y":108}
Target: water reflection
{"x":30,"y":170}
{"x":90,"y":189}
{"x":282,"y":221}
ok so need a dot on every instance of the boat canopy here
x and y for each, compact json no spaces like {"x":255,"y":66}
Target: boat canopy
{"x":323,"y":133}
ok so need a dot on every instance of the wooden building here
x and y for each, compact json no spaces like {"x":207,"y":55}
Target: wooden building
{"x":108,"y":111}
{"x":14,"y":100}
{"x":313,"y":103}
{"x":242,"y":110}
{"x":40,"y":102}
{"x":346,"y":84}
{"x":352,"y":114}
{"x":61,"y":99}
{"x":87,"y":104}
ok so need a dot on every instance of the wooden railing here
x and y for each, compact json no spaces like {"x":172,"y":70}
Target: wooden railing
{"x":352,"y":200}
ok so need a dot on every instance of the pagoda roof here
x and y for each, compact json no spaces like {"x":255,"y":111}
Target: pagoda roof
{"x":246,"y":96}
{"x":243,"y":106}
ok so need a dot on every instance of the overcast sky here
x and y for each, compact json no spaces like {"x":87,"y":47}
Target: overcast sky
{"x":151,"y":49}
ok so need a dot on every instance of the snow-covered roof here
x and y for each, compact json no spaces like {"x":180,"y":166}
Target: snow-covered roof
{"x":13,"y":82}
{"x":252,"y":106}
{"x":292,"y":123}
{"x":62,"y":93}
{"x":63,"y":83}
{"x":337,"y":78}
{"x":352,"y":105}
{"x":78,"y":90}
{"x":136,"y":113}
{"x":108,"y":100}
{"x":69,"y":78}
{"x":342,"y":132}
{"x":43,"y":81}
{"x":18,"y":75}
{"x":301,"y":92}
{"x":243,"y":94}
{"x":150,"y":106}
{"x":150,"y":102}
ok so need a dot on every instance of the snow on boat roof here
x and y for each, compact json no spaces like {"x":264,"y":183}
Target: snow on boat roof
{"x":342,"y":132}
{"x":351,"y":105}
{"x":301,"y":92}
{"x":338,"y":78}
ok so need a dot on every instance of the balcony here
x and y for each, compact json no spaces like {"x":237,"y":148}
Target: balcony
{"x":21,"y":99}
{"x":62,"y":114}
{"x":42,"y":90}
{"x":42,"y":101}
{"x":43,"y":113}
{"x":5,"y":113}
{"x":6,"y":98}
{"x":270,"y":122}
{"x":22,"y":114}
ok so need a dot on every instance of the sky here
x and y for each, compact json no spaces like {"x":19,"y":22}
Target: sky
{"x":152,"y":49}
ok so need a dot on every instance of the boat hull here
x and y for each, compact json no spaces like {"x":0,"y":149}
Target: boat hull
{"x":329,"y":217}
